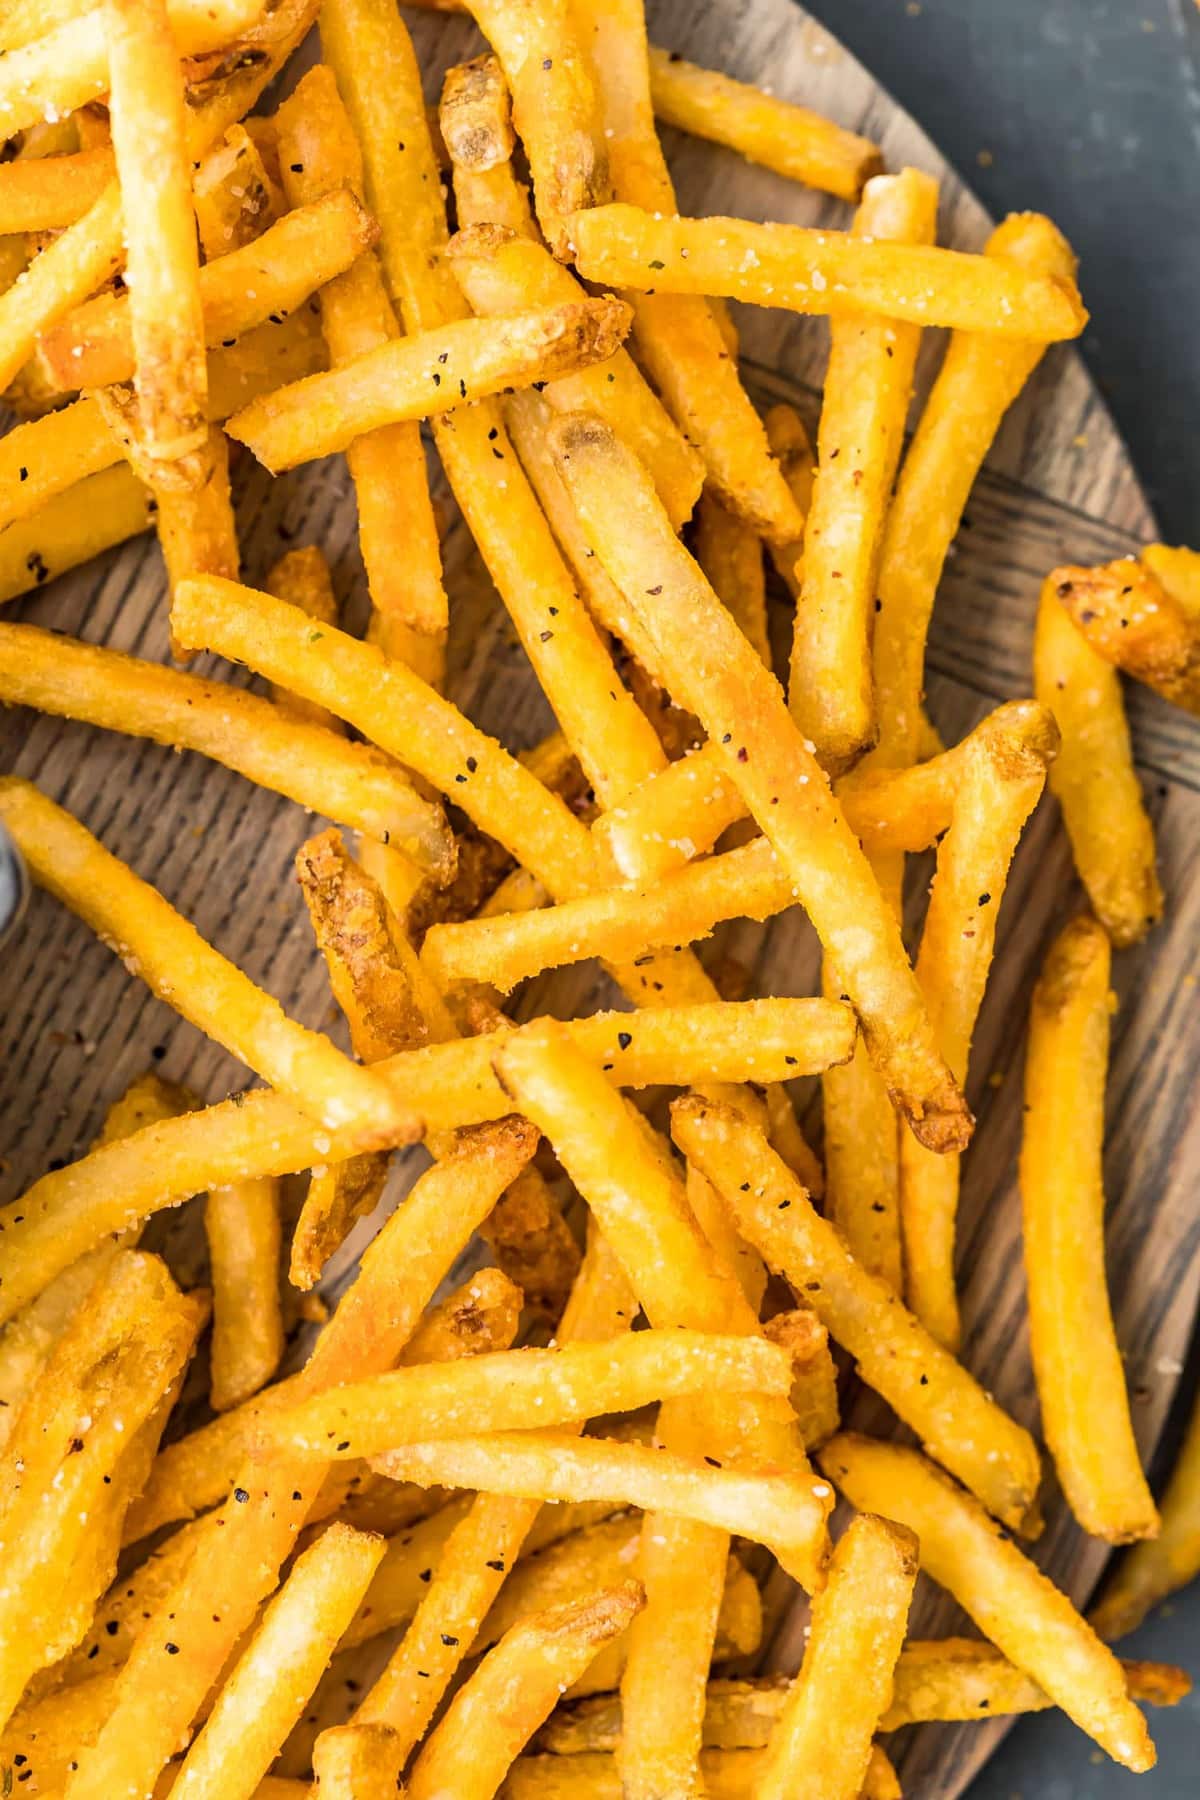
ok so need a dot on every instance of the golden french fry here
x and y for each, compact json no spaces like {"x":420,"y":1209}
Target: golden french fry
{"x":1154,"y":1569}
{"x":181,"y":968}
{"x":730,"y":554}
{"x":483,"y":1314}
{"x":302,"y":578}
{"x":814,"y":1375}
{"x":998,"y":791}
{"x":739,"y":1633}
{"x":1076,"y":1360}
{"x":821,"y":1743}
{"x":792,"y":449}
{"x":81,"y":259}
{"x":980,"y":377}
{"x":742,"y":708}
{"x":577,"y":1563}
{"x":533,"y":1244}
{"x":517,"y":1685}
{"x":313,"y":767}
{"x":1178,"y":569}
{"x":1022,"y":1612}
{"x":868,"y":384}
{"x":502,"y":273}
{"x":196,"y":526}
{"x":414,"y":378}
{"x":475,"y":119}
{"x":758,"y":125}
{"x":50,"y":192}
{"x":234,"y":194}
{"x":397,"y":530}
{"x":1132,"y":619}
{"x":1093,"y":777}
{"x":93,"y":347}
{"x":266,"y":1691}
{"x":727,"y":1775}
{"x":355,"y":1762}
{"x":959,"y":1423}
{"x":162,"y":255}
{"x":242,"y":1226}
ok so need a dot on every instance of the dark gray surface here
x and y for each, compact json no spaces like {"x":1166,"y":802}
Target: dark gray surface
{"x":1088,"y":110}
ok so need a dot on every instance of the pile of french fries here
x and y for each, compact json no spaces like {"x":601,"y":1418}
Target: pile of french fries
{"x":425,"y":1560}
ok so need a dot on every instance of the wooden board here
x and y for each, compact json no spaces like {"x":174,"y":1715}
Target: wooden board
{"x":1058,"y":486}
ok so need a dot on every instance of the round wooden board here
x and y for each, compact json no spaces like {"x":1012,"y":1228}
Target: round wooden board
{"x":1058,"y":486}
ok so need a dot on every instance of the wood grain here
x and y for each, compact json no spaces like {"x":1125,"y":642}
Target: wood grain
{"x":1058,"y":487}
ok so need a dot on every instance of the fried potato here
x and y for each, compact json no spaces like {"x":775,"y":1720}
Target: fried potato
{"x":49,"y":192}
{"x":959,"y":1423}
{"x":792,"y":449}
{"x":1076,"y":1359}
{"x":730,"y":553}
{"x":302,"y":577}
{"x":234,"y":194}
{"x":1133,"y":620}
{"x":243,"y":1230}
{"x":475,"y":117}
{"x":196,"y":527}
{"x":80,"y":260}
{"x":1154,"y":1569}
{"x":814,"y":1375}
{"x":353,"y":1762}
{"x":1022,"y":1612}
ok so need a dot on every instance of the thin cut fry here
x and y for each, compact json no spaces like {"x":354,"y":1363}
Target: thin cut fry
{"x":181,"y":968}
{"x":1178,"y":568}
{"x":807,"y":271}
{"x":413,"y":378}
{"x":961,"y":1425}
{"x":242,"y":1226}
{"x":196,"y":526}
{"x":475,"y":115}
{"x":741,"y":706}
{"x":302,"y":578}
{"x":234,"y":194}
{"x":266,"y":1692}
{"x":868,"y":384}
{"x":47,"y":193}
{"x":1093,"y":777}
{"x":492,"y":1718}
{"x":1133,"y":620}
{"x":1022,"y":1612}
{"x":533,"y":1244}
{"x":93,"y":347}
{"x":58,"y":279}
{"x":760,"y":126}
{"x":814,"y":1374}
{"x":821,"y":1744}
{"x":792,"y":449}
{"x":349,"y":782}
{"x":1154,"y":1569}
{"x":162,"y":255}
{"x":354,"y":1762}
{"x":1076,"y":1360}
{"x":730,"y":553}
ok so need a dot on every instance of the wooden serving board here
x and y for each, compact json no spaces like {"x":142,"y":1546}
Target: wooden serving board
{"x":1058,"y":486}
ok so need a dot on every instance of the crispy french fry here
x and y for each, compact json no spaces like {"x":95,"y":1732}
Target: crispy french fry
{"x":578,"y":1563}
{"x":234,"y":194}
{"x":821,"y":1743}
{"x":196,"y":527}
{"x":49,"y":192}
{"x":1076,"y":1359}
{"x":93,"y":347}
{"x":730,"y":554}
{"x":492,"y":1718}
{"x":162,"y":255}
{"x":502,"y":1391}
{"x":958,"y":1422}
{"x":242,"y":1226}
{"x":59,"y":278}
{"x":739,"y":1633}
{"x":727,"y":1775}
{"x":741,"y":706}
{"x":181,"y":968}
{"x":980,"y":377}
{"x":397,"y":530}
{"x":679,"y":341}
{"x":302,"y":578}
{"x":413,"y":378}
{"x":533,"y":1244}
{"x":1178,"y":569}
{"x":475,"y":119}
{"x":354,"y":1762}
{"x":1133,"y":620}
{"x":261,"y":1133}
{"x":483,"y":1314}
{"x":349,"y":782}
{"x":814,"y":1375}
{"x":807,"y":271}
{"x":998,"y":791}
{"x":1093,"y":777}
{"x":868,"y":383}
{"x":789,"y":139}
{"x":1154,"y":1569}
{"x":792,"y":449}
{"x":265,"y":1693}
{"x":1022,"y":1612}
{"x":502,"y":273}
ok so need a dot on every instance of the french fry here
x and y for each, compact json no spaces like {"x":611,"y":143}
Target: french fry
{"x":275,"y":274}
{"x":821,"y":1743}
{"x":58,"y":279}
{"x":413,"y":378}
{"x":998,"y":791}
{"x":741,"y":706}
{"x":352,"y":1762}
{"x":1093,"y":777}
{"x":162,"y":255}
{"x":727,"y":1775}
{"x":758,"y":125}
{"x":730,"y":554}
{"x":260,"y":1133}
{"x":242,"y":1226}
{"x":181,"y":968}
{"x":679,"y":341}
{"x":397,"y":530}
{"x":599,"y":1556}
{"x":502,"y":1391}
{"x":501,"y":273}
{"x":196,"y":527}
{"x":1178,"y":569}
{"x":556,"y":109}
{"x":792,"y":449}
{"x":868,"y":384}
{"x":492,"y":1718}
{"x":313,"y":767}
{"x":234,"y":194}
{"x":483,"y":1314}
{"x":1134,"y":621}
{"x":475,"y":119}
{"x":818,"y":272}
{"x":958,"y":1422}
{"x":1076,"y":1360}
{"x":814,"y":1374}
{"x":1018,"y":1608}
{"x":265,"y":1693}
{"x":980,"y":377}
{"x":1155,"y":1568}
{"x":302,"y":578}
{"x":49,"y":192}
{"x":533,"y":1244}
